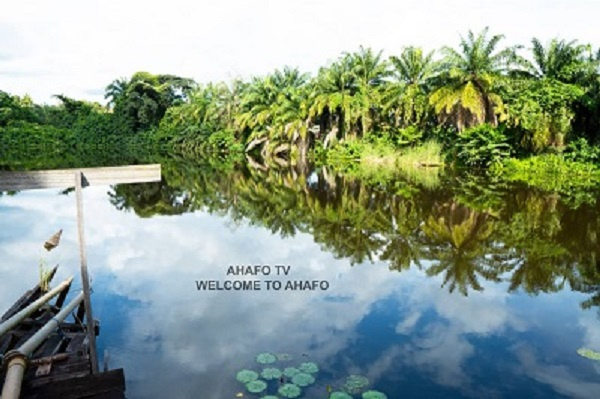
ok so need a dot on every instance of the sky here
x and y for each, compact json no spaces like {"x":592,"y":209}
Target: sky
{"x":77,"y":48}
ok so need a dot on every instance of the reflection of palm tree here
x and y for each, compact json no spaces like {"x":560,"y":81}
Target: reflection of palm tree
{"x":402,"y":249}
{"x":458,"y":241}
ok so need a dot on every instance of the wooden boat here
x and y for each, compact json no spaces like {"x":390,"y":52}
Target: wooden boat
{"x":60,"y":366}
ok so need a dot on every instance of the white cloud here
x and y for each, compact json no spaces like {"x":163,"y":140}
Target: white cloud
{"x":77,"y":48}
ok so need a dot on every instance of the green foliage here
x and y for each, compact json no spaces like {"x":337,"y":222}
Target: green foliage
{"x":576,"y":181}
{"x":408,"y":136}
{"x":467,"y":97}
{"x":482,"y":146}
{"x":286,"y":116}
{"x":581,"y":151}
{"x":540,"y":112}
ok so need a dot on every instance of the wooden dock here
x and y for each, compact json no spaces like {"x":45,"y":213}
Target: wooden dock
{"x":62,"y":178}
{"x":60,"y":367}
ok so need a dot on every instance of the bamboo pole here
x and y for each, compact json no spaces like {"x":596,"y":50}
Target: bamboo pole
{"x":23,"y":314}
{"x":17,"y":359}
{"x":91,"y":330}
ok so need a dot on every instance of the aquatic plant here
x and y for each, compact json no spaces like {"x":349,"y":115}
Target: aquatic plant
{"x":245,"y":376}
{"x":303,"y":379}
{"x":290,"y":371}
{"x":256,"y":386}
{"x":269,"y":397}
{"x":355,"y":383}
{"x":374,"y":395}
{"x":309,"y":367}
{"x":271,"y":373}
{"x":45,"y":274}
{"x":588,"y":353}
{"x":284,"y":357}
{"x":339,"y":395}
{"x":266,"y":358}
{"x":290,"y":391}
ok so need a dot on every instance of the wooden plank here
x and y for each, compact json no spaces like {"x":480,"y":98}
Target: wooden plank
{"x":109,"y":385}
{"x":91,"y":331}
{"x":63,"y":178}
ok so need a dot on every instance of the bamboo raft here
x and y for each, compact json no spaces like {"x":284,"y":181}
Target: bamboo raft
{"x":60,"y":366}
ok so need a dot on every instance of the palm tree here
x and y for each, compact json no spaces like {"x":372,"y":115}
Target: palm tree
{"x":334,"y":104}
{"x":564,"y":61}
{"x":406,"y":99}
{"x":370,"y":71}
{"x":115,"y":90}
{"x":467,"y":97}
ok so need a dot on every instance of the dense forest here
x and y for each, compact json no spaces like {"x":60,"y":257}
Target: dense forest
{"x":479,"y":105}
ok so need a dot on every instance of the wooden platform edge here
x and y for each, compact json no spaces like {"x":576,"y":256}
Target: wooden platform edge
{"x":64,"y":178}
{"x":107,"y":385}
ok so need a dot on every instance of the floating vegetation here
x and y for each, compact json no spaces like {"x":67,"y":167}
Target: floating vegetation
{"x":290,"y":371}
{"x":290,"y":382}
{"x":374,"y":395}
{"x":339,"y":395}
{"x":309,"y":367}
{"x":355,"y":383}
{"x":303,"y":379}
{"x":290,"y":391}
{"x":245,"y":376}
{"x":284,"y":357}
{"x":271,"y":373}
{"x":588,"y":353}
{"x":256,"y":386}
{"x":266,"y":358}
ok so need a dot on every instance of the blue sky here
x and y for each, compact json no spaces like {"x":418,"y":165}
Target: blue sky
{"x":78,"y":47}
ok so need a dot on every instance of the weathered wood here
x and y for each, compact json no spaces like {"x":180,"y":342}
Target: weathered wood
{"x":85,"y":280}
{"x":109,"y":385}
{"x":63,"y":178}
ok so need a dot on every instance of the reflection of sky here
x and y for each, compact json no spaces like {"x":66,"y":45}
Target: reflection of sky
{"x":408,"y":335}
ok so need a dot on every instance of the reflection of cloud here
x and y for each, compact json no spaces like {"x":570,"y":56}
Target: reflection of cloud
{"x":557,"y":376}
{"x":175,"y":341}
{"x":154,"y":262}
{"x":405,"y":326}
{"x":441,"y":348}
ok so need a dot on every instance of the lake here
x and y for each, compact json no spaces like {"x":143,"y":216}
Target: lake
{"x":434,"y":285}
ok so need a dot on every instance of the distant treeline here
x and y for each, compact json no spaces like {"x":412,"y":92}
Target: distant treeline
{"x":482,"y":101}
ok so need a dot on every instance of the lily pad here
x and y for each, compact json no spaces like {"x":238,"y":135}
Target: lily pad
{"x":256,"y":386}
{"x":245,"y":376}
{"x":355,"y":383}
{"x":588,"y":353}
{"x":374,"y":395}
{"x":290,"y":391}
{"x":303,"y":379}
{"x":266,"y":358}
{"x":309,"y":367}
{"x":269,"y":397}
{"x":290,"y":371}
{"x":271,"y":373}
{"x":339,"y":395}
{"x":284,"y":357}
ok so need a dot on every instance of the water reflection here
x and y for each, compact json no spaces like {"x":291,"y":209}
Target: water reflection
{"x":436,"y":291}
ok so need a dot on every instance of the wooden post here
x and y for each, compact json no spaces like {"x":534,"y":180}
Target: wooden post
{"x":91,"y":329}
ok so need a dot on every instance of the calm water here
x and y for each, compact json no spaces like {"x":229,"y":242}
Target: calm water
{"x":437,"y":287}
